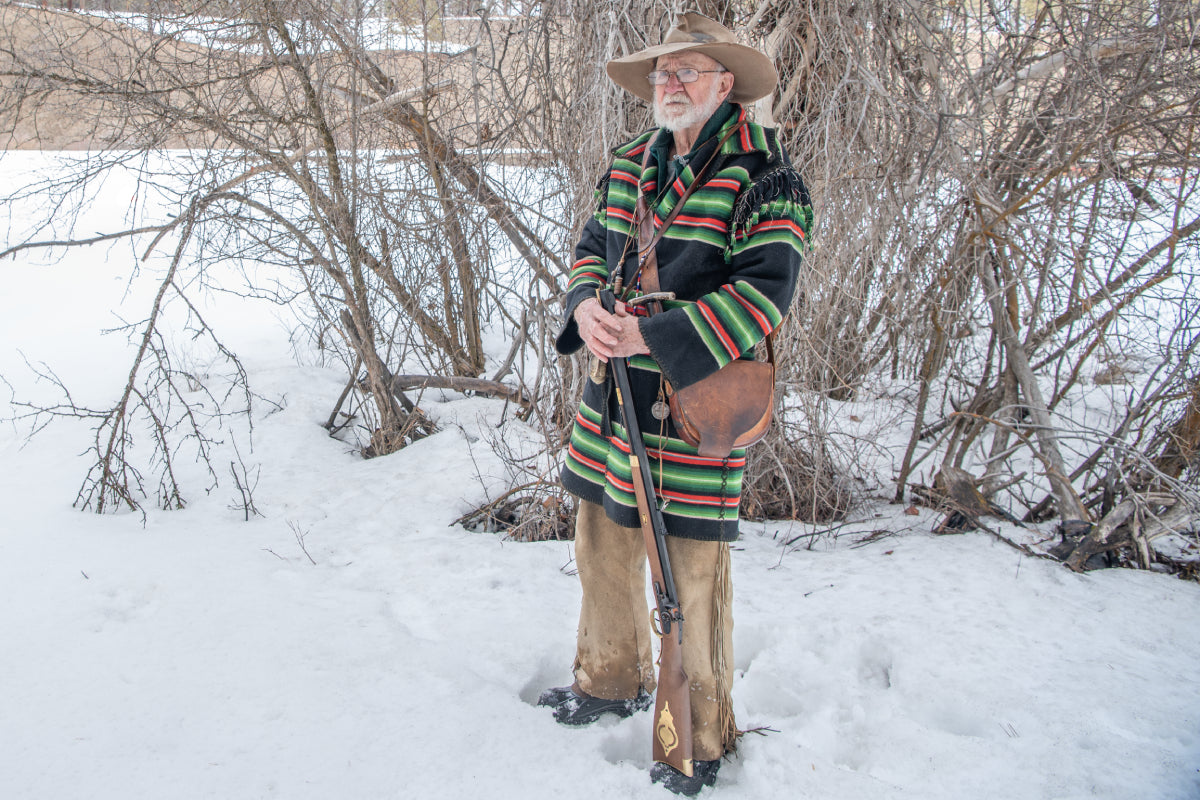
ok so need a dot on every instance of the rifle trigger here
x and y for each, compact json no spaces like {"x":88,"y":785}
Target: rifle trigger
{"x":676,"y":617}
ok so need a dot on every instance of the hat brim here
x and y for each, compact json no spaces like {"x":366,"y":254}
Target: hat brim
{"x":754,"y":75}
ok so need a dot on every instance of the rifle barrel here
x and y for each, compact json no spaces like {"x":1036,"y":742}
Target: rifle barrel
{"x":672,"y":706}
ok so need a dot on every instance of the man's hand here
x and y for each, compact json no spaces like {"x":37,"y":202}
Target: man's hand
{"x":609,"y":335}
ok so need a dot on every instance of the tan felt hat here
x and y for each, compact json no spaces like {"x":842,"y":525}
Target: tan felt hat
{"x":754,"y":75}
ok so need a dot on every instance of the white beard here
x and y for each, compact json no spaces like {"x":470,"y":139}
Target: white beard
{"x":676,"y":112}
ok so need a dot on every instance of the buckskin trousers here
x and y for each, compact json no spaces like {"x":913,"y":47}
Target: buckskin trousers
{"x":613,"y":653}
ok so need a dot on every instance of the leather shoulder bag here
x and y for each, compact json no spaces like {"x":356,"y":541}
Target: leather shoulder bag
{"x":731,"y":408}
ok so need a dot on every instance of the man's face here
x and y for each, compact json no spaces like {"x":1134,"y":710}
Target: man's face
{"x":678,"y":106}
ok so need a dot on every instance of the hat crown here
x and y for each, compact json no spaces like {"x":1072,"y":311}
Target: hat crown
{"x":753,"y":72}
{"x":696,"y":29}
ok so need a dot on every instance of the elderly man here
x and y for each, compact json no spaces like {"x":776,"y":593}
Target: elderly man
{"x":732,"y":257}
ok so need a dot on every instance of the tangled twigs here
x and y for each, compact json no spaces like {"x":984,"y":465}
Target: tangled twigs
{"x":790,"y":475}
{"x":532,"y":512}
{"x":1135,"y":522}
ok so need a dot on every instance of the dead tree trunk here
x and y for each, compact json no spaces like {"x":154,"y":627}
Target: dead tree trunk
{"x":1069,"y":504}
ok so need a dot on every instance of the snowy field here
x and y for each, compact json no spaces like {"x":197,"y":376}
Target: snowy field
{"x":352,"y":643}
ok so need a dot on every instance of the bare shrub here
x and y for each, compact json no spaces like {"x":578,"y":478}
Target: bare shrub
{"x":1006,"y":194}
{"x":351,"y":178}
{"x":1003,"y":192}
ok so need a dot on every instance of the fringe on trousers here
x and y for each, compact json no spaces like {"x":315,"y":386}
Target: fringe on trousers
{"x":613,"y":652}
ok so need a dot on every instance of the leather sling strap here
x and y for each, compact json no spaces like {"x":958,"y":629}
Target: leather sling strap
{"x":648,"y":237}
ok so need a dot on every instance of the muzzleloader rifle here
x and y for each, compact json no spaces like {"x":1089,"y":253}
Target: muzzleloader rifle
{"x":673,"y":703}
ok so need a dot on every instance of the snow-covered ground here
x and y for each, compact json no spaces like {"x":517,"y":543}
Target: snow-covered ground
{"x":196,"y":655}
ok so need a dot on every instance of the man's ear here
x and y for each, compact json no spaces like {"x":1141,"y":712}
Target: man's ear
{"x":727,"y":80}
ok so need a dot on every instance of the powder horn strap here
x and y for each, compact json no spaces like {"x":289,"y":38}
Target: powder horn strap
{"x":648,"y":235}
{"x":731,"y":408}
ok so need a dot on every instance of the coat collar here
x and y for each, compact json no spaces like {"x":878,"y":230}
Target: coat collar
{"x":752,"y":138}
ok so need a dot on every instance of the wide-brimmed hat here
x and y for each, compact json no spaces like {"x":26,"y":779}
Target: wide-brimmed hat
{"x":754,"y":75}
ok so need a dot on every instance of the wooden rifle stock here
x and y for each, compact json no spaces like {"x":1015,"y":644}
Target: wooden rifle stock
{"x":673,"y":702}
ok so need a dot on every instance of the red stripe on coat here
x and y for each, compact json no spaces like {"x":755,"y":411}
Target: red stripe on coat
{"x":724,"y":183}
{"x":778,"y":224}
{"x":587,"y":462}
{"x":719,"y":330}
{"x":701,"y":222}
{"x":700,"y":499}
{"x":763,"y":321}
{"x":694,"y":460}
{"x":587,"y":424}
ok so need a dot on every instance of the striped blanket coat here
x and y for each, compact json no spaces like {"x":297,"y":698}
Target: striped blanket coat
{"x":732,"y":257}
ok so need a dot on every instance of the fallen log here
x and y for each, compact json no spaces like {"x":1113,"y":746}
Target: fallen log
{"x":403,"y":383}
{"x":955,"y":493}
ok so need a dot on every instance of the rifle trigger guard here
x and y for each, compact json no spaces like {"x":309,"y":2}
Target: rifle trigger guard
{"x":654,"y":623}
{"x":673,"y":618}
{"x":649,"y":298}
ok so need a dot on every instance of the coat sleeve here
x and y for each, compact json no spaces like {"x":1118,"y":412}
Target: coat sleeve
{"x":769,"y":236}
{"x":589,"y":272}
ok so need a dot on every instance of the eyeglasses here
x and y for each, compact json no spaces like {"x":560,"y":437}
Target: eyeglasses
{"x":659,"y":77}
